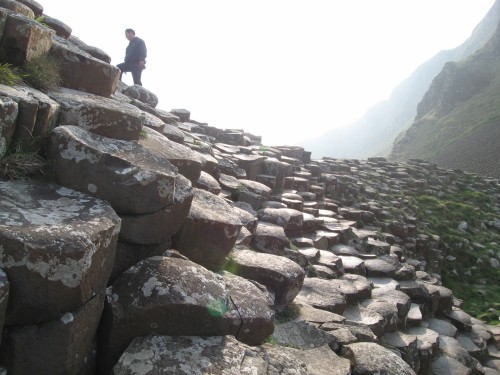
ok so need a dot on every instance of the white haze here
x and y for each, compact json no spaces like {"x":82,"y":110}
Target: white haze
{"x":282,"y":69}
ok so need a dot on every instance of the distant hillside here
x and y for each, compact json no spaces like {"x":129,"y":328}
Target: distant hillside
{"x":374,"y":133}
{"x":458,"y":120}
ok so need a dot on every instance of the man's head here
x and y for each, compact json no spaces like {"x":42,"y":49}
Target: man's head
{"x":129,"y":34}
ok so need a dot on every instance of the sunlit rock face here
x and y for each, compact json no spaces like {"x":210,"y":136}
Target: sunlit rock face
{"x":57,"y":247}
{"x":174,"y":296}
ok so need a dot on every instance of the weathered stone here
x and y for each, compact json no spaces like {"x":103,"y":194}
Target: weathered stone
{"x":443,"y":327}
{"x":152,"y":122}
{"x":221,"y":355}
{"x":187,"y":161}
{"x":387,"y":310}
{"x":81,"y":71}
{"x":64,"y":345}
{"x":427,"y":345}
{"x":353,"y":265}
{"x":208,"y":183}
{"x":4,"y":298}
{"x":406,"y":345}
{"x":62,"y":30}
{"x":365,"y":360}
{"x":445,"y":297}
{"x":96,"y":52}
{"x":36,"y":113}
{"x":330,"y":260}
{"x":448,"y":366}
{"x":23,"y":38}
{"x":270,"y":238}
{"x":379,"y":268}
{"x":322,"y":294}
{"x":280,"y":275}
{"x":128,"y":255}
{"x":132,"y":178}
{"x":349,"y":332}
{"x":172,"y":296}
{"x":102,"y":116}
{"x":252,"y":164}
{"x":279,"y":169}
{"x":302,"y":335}
{"x":314,"y":315}
{"x":158,"y":227}
{"x":344,"y":250}
{"x":384,"y":282}
{"x":253,"y":306}
{"x":415,"y":315}
{"x":358,"y":315}
{"x":247,"y":218}
{"x":57,"y":248}
{"x":291,"y":220}
{"x":452,"y":348}
{"x":460,"y":319}
{"x":209,"y":232}
{"x":142,"y":94}
{"x":36,"y":7}
{"x":323,"y":361}
{"x":395,"y":297}
{"x":361,"y":283}
{"x":8,"y":118}
{"x":253,"y":192}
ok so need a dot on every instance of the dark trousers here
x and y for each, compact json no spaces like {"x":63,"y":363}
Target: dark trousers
{"x":131,"y":66}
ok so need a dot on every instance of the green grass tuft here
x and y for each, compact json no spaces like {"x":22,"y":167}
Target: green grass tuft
{"x":10,"y":75}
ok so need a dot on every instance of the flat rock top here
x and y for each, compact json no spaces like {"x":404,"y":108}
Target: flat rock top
{"x":36,"y":209}
{"x":207,"y":206}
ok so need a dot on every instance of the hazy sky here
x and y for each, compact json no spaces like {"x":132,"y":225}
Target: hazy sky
{"x":277,"y":68}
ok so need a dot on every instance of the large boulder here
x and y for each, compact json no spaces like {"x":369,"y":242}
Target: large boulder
{"x":270,"y":238}
{"x":102,"y":116}
{"x":62,"y":346}
{"x":23,"y":38}
{"x":81,"y":71}
{"x":291,"y":220}
{"x":142,"y":94}
{"x":371,"y":359}
{"x":57,"y":248}
{"x":221,"y":355}
{"x":280,"y":275}
{"x":173,"y":296}
{"x":209,"y":232}
{"x":17,"y":7}
{"x":133,"y":179}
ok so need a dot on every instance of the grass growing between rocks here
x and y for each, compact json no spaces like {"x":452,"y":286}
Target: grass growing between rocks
{"x":10,"y":75}
{"x":470,"y":275}
{"x":20,"y":163}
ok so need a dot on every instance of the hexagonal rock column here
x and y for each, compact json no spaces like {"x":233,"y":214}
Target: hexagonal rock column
{"x":174,"y":296}
{"x":62,"y":346}
{"x":191,"y":355}
{"x":24,"y":39}
{"x":291,"y":220}
{"x":280,"y":275}
{"x":270,"y":238}
{"x":102,"y":116}
{"x":159,"y":227}
{"x":81,"y":71}
{"x":187,"y":161}
{"x":130,"y":177}
{"x":322,"y":294}
{"x":37,"y":113}
{"x":209,"y":232}
{"x":57,"y":248}
{"x":142,"y":94}
{"x":370,"y":358}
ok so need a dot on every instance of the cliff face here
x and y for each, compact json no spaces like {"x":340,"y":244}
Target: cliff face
{"x":457,"y":122}
{"x":155,"y":243}
{"x":374,"y":133}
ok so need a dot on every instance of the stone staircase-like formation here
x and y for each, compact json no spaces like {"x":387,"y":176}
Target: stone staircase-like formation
{"x":160,"y":244}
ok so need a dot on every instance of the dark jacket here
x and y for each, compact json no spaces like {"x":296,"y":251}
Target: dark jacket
{"x":136,"y":50}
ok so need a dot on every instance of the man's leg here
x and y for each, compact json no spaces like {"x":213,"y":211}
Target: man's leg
{"x":124,"y":67}
{"x":136,"y":75}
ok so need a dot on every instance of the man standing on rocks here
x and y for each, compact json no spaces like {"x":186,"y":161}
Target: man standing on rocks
{"x":135,"y":57}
